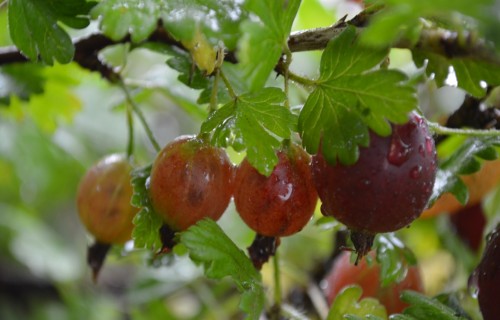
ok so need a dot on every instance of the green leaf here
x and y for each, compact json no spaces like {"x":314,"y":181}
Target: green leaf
{"x":350,"y":98}
{"x":146,"y":222}
{"x":468,"y":71}
{"x":56,"y":104}
{"x":423,"y":308}
{"x":394,"y":258}
{"x":401,"y":317}
{"x":348,"y":302}
{"x":462,"y":160}
{"x":435,"y":65}
{"x":263,"y":42}
{"x":402,"y":18}
{"x":209,"y":246}
{"x":121,"y":17}
{"x":256,"y":120}
{"x":471,"y":72}
{"x":34,"y":27}
{"x":218,"y":20}
{"x":181,"y":61}
{"x":21,"y":80}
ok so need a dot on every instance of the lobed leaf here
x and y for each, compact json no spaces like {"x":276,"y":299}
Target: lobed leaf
{"x":403,"y":18}
{"x":118,"y":18}
{"x":350,"y":98}
{"x":139,"y":18}
{"x":146,"y":222}
{"x":394,"y":258}
{"x":263,"y":42}
{"x":471,"y":72}
{"x":255,"y":120}
{"x":34,"y":27}
{"x":209,"y":246}
{"x":51,"y":97}
{"x":347,"y":305}
{"x":218,"y":20}
{"x":468,"y":71}
{"x":21,"y":80}
{"x":423,"y":308}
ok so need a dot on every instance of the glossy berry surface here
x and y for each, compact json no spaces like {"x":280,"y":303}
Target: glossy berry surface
{"x":190,"y":180}
{"x":388,"y":187}
{"x":103,"y":200}
{"x":343,"y":273}
{"x":281,"y":204}
{"x":488,"y":277}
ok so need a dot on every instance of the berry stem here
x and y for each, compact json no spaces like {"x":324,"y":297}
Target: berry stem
{"x":306,"y":82}
{"x":228,"y":85}
{"x":439,"y":129}
{"x":213,"y":97}
{"x":139,"y":114}
{"x":130,"y":125}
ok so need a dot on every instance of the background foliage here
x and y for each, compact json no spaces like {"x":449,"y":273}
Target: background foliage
{"x":58,"y":117}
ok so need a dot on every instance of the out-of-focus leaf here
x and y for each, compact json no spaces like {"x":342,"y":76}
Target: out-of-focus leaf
{"x":468,"y":71}
{"x":21,"y":80}
{"x":34,"y":27}
{"x":462,"y":161}
{"x":348,"y":303}
{"x":215,"y":19}
{"x":394,"y":258}
{"x":121,"y":17}
{"x":56,"y":104}
{"x":423,"y":308}
{"x":209,"y":246}
{"x":263,"y":42}
{"x":401,"y":18}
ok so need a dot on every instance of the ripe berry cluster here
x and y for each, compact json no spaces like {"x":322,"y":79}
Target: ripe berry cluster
{"x":190,"y":180}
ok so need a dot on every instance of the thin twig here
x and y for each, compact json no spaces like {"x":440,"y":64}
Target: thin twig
{"x":229,"y":87}
{"x":432,"y":40}
{"x":130,"y":125}
{"x":439,"y":129}
{"x":140,"y":115}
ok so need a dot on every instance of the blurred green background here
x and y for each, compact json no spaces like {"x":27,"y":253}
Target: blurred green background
{"x":47,"y":143}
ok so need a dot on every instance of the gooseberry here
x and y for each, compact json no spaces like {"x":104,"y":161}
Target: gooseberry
{"x":386,"y":189}
{"x":344,"y":273}
{"x":190,"y":180}
{"x":487,"y":277}
{"x":103,"y":200}
{"x":282,"y":203}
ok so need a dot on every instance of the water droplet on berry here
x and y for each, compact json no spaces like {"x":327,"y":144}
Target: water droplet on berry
{"x":472,"y":284}
{"x":289,"y":191}
{"x":429,"y":145}
{"x":416,"y":172}
{"x":421,"y":150}
{"x":399,"y":151}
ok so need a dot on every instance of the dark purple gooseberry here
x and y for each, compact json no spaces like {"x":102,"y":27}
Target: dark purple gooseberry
{"x":487,"y":277}
{"x":386,"y":189}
